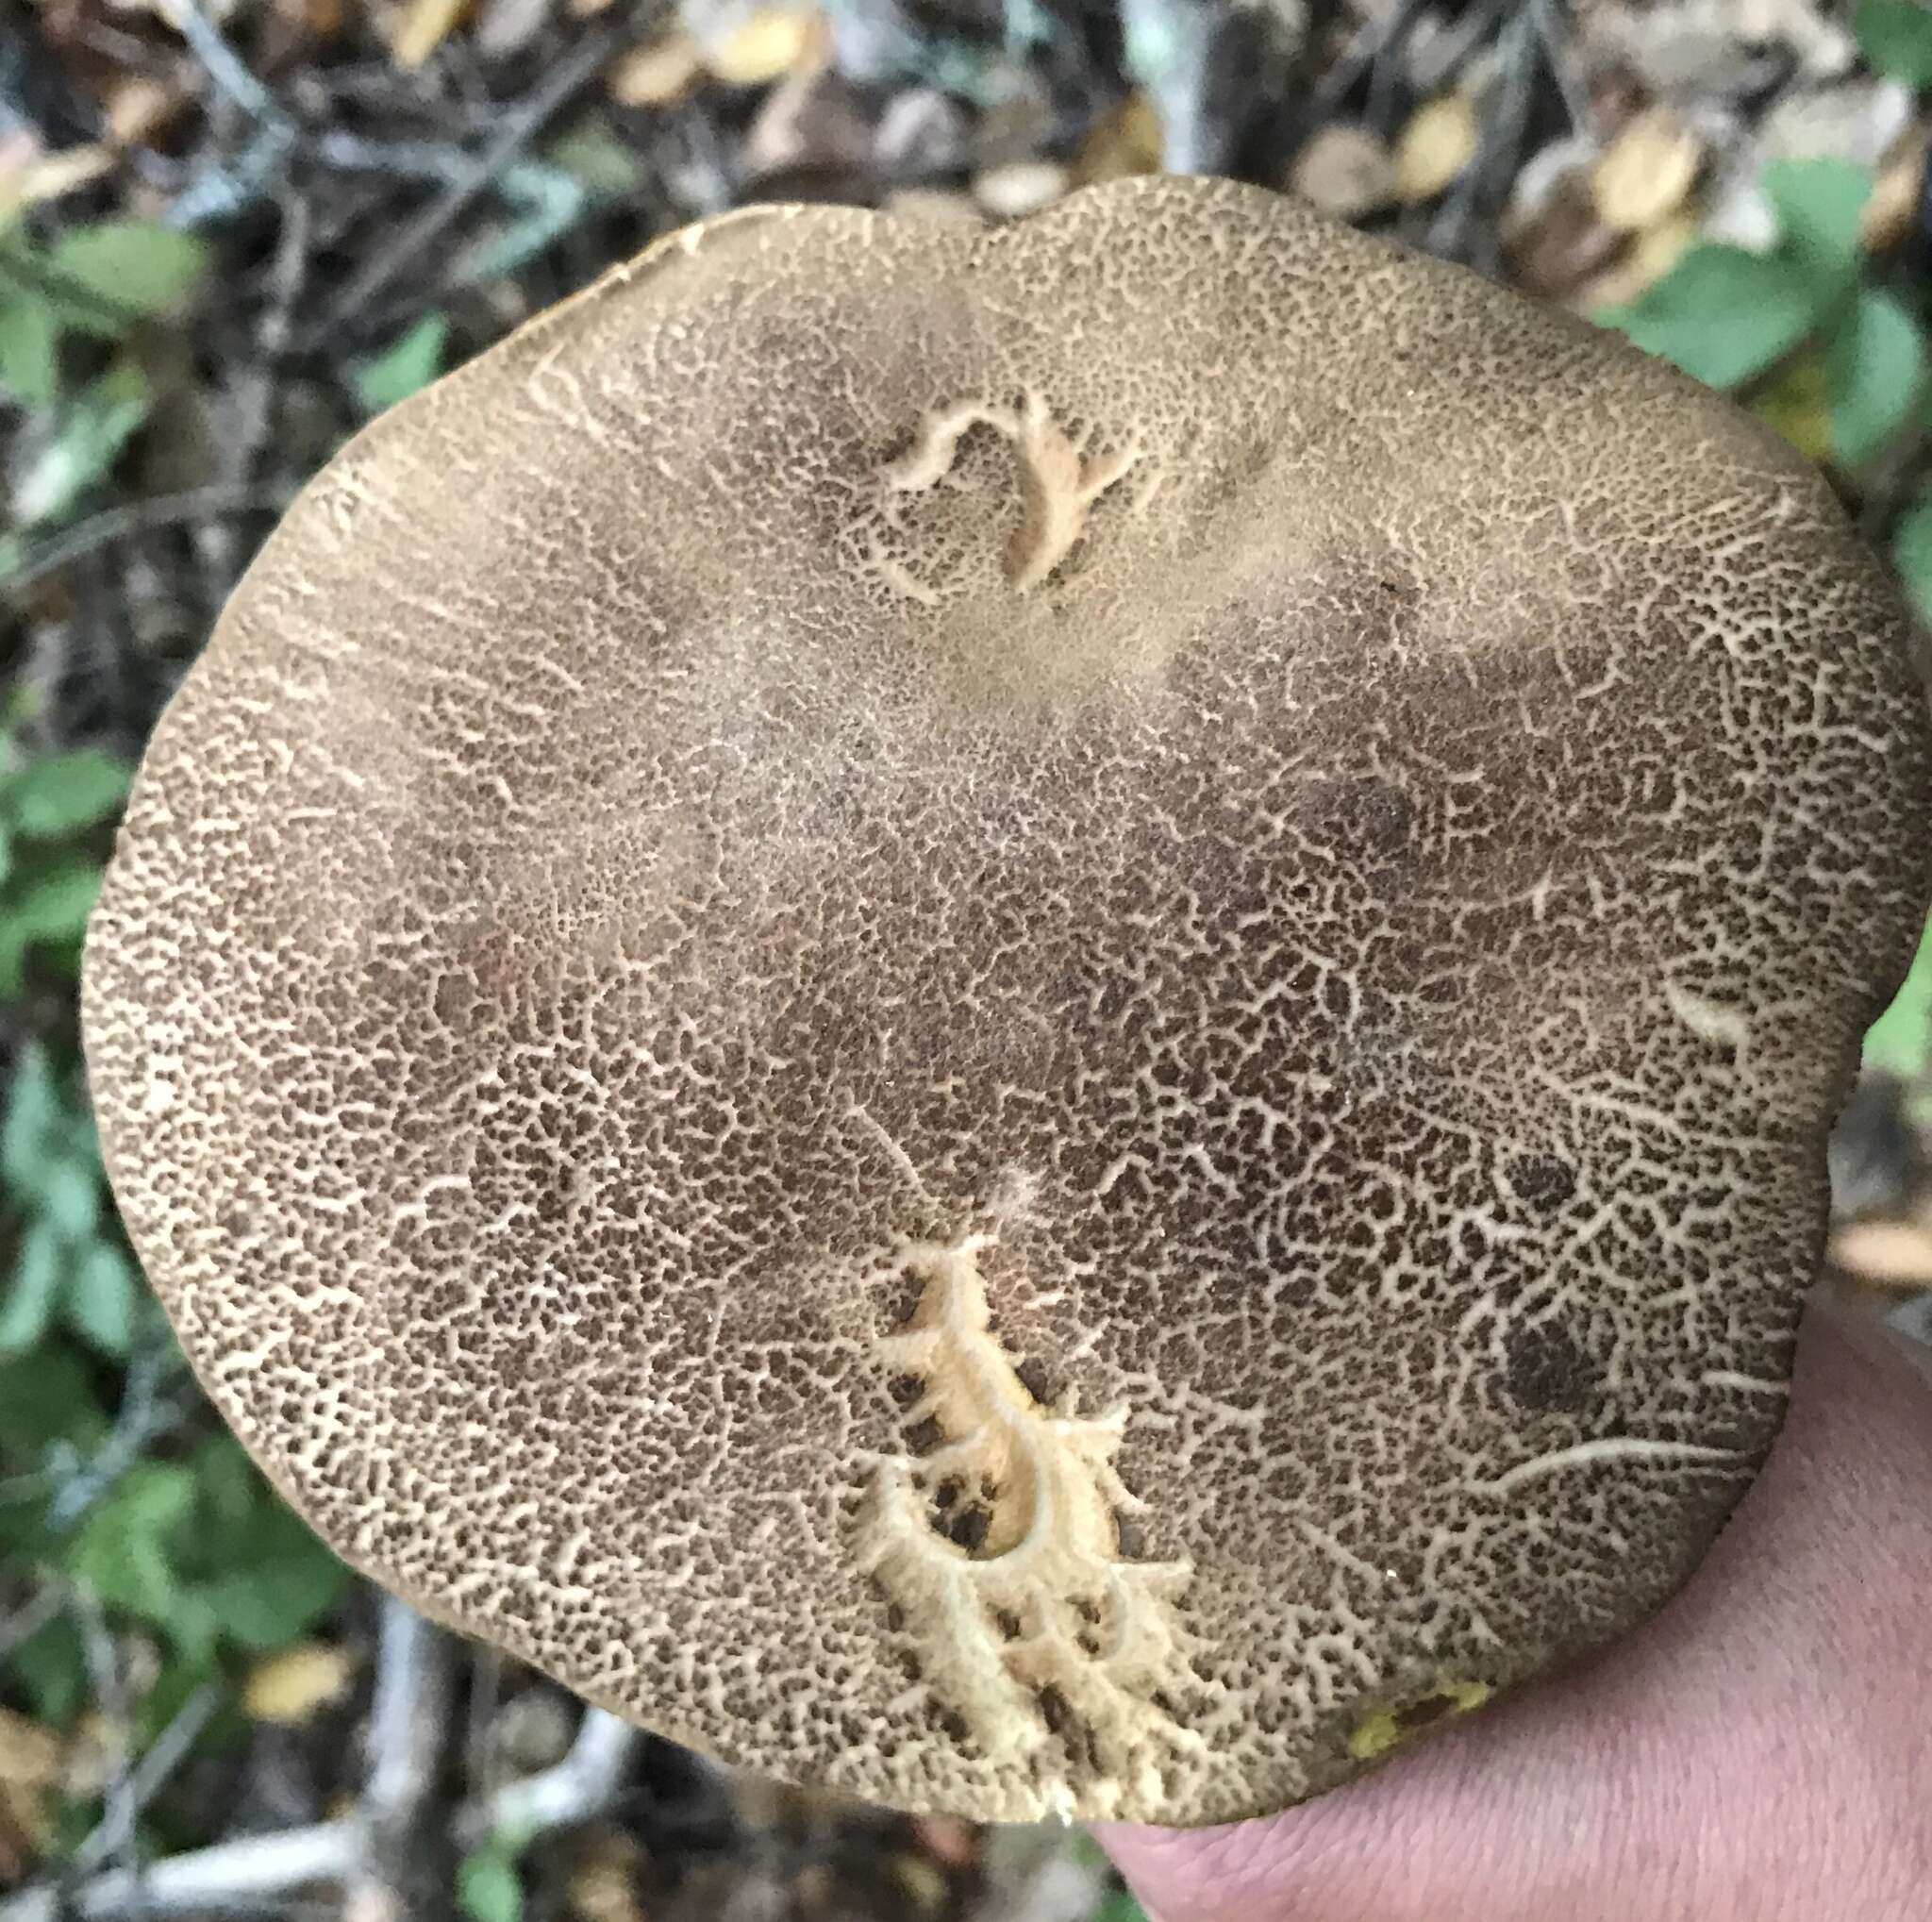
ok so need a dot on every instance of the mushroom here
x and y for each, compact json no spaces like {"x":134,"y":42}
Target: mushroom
{"x":1032,"y":1020}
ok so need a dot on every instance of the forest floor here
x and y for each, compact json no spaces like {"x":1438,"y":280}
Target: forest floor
{"x":230,"y":231}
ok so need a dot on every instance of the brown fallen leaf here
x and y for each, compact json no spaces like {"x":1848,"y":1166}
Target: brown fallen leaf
{"x":1886,"y":217}
{"x":1644,"y":262}
{"x":1126,"y":141}
{"x":603,"y":1883}
{"x":29,"y":1773}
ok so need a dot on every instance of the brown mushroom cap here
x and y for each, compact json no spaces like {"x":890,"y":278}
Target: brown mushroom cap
{"x":1031,"y":1020}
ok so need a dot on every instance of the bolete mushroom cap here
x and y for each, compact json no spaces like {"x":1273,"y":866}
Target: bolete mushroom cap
{"x":1030,"y":1020}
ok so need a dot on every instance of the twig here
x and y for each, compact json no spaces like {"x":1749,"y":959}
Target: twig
{"x":246,"y":1873}
{"x":28,"y":1622}
{"x":256,"y":1870}
{"x":225,"y":66}
{"x":141,"y":517}
{"x":110,"y":1692}
{"x":582,"y":1785}
{"x":1172,"y":47}
{"x":163,"y":1755}
{"x":1554,"y":29}
{"x":405,"y":249}
{"x":414,"y":1674}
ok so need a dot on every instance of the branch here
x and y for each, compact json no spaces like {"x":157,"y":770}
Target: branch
{"x":348,"y":1854}
{"x":583,"y":1785}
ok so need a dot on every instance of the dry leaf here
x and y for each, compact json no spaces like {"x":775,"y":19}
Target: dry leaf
{"x":1022,"y":187}
{"x":291,"y":1686}
{"x":1127,"y":142}
{"x":29,"y":178}
{"x":29,"y":1772}
{"x":1646,"y":261}
{"x":603,"y":1884}
{"x":1345,"y":171}
{"x":1796,"y":406}
{"x":766,"y":46}
{"x":138,"y":107}
{"x":947,"y":1839}
{"x":1884,"y":1254}
{"x":29,"y":1754}
{"x":931,"y":202}
{"x":1888,"y":214}
{"x":1439,"y":142}
{"x":316,"y":19}
{"x":661,"y":71}
{"x":424,"y":26}
{"x":1647,"y":172}
{"x":926,"y":1885}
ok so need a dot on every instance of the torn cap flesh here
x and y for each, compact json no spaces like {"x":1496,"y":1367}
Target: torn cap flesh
{"x":1030,"y":1020}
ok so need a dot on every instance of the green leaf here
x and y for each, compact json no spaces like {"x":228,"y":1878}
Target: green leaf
{"x":52,"y":906}
{"x":1896,"y":37}
{"x":279,"y":1583}
{"x":29,"y":343}
{"x":33,"y":1289}
{"x":94,"y":425}
{"x":410,"y":364}
{"x":1819,"y":203}
{"x":605,"y":167}
{"x":123,"y":1551}
{"x":46,"y":1397}
{"x":61,"y":793}
{"x":69,"y":1201}
{"x":132,"y":265}
{"x":1120,"y":1907}
{"x":487,"y":1886}
{"x":31,"y":1139}
{"x":102,"y":1298}
{"x":1911,"y":553}
{"x":1722,"y":314}
{"x":51,"y":1666}
{"x":1875,"y":367}
{"x":1900,"y":1041}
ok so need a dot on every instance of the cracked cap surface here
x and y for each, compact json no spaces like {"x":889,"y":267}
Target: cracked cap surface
{"x":1030,"y":1020}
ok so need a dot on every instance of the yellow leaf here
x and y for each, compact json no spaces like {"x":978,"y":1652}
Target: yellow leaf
{"x":424,"y":26}
{"x":291,"y":1686}
{"x":1439,"y":142}
{"x":1646,"y":173}
{"x":1796,"y":407}
{"x":926,"y":1885}
{"x":662,"y":69}
{"x":766,"y":46}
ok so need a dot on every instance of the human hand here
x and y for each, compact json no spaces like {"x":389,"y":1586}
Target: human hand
{"x":1760,"y":1752}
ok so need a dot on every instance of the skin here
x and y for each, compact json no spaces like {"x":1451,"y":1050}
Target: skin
{"x":1757,"y":1753}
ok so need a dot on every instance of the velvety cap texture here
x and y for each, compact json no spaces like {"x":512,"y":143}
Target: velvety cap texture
{"x":1035,"y":1019}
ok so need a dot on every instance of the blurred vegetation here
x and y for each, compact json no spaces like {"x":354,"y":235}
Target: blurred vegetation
{"x":124,"y":1509}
